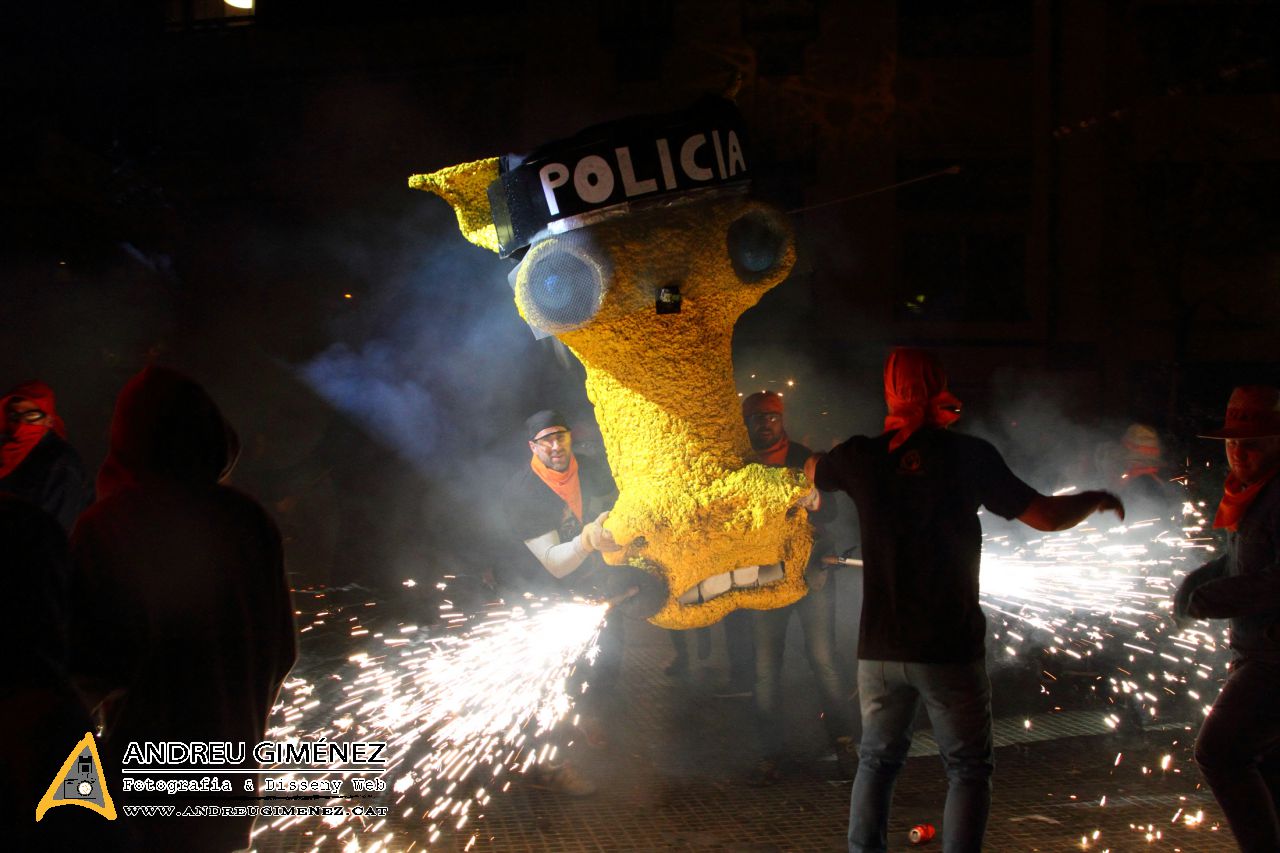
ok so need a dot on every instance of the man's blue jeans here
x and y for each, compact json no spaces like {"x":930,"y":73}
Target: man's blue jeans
{"x":817,"y":611}
{"x":958,"y":700}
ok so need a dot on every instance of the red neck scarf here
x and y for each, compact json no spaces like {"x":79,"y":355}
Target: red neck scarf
{"x":16,"y":445}
{"x":915,"y":390}
{"x":565,"y":484}
{"x":1236,"y":498}
{"x":776,"y":453}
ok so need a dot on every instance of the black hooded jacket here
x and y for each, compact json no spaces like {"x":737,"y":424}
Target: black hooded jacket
{"x":182,"y":625}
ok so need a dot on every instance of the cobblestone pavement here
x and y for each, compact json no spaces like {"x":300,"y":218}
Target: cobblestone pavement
{"x":673,"y":778}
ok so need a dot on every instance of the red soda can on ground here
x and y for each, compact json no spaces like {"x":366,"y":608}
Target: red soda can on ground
{"x":921,"y":832}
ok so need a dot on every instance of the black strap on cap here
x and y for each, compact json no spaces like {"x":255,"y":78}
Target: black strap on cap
{"x":560,"y":185}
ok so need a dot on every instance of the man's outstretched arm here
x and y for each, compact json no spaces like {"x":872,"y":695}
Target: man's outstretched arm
{"x":1061,"y":512}
{"x":563,"y":558}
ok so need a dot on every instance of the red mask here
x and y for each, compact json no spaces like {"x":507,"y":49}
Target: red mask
{"x":21,"y":438}
{"x":915,"y":390}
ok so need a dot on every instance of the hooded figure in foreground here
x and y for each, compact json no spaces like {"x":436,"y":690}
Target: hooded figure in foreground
{"x":182,"y":628}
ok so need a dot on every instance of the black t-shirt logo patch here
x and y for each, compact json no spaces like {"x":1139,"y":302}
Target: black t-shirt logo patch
{"x":569,"y":525}
{"x":911,"y":463}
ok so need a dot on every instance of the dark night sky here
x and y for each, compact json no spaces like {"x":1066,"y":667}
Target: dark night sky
{"x":207,"y":194}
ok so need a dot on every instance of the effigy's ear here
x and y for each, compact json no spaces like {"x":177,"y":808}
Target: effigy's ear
{"x":465,"y":187}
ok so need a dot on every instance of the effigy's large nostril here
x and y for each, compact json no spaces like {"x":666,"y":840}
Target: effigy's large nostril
{"x":668,"y":299}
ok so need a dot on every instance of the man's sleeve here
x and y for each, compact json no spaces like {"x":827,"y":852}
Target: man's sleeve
{"x":1210,"y":571}
{"x":1242,"y":595}
{"x":558,"y":558}
{"x":833,"y":467}
{"x":68,"y":491}
{"x":1001,"y":490}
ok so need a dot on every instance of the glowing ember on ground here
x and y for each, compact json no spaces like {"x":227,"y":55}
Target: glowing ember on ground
{"x":459,"y":707}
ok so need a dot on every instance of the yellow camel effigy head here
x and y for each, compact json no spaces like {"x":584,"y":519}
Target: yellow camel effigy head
{"x":639,"y":249}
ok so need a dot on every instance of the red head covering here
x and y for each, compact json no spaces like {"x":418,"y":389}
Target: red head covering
{"x":761,"y":401}
{"x":770,"y":402}
{"x":915,"y":390}
{"x":23,"y":438}
{"x":166,"y":427}
{"x":1252,"y":412}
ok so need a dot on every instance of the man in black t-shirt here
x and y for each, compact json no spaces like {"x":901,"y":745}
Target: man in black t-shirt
{"x":918,"y":489}
{"x":556,"y":505}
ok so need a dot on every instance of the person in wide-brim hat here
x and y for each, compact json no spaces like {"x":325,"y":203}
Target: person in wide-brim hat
{"x":1252,"y":412}
{"x":1239,"y":736}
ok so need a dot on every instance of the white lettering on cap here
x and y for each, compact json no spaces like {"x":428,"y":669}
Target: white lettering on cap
{"x":735,"y":155}
{"x":553,"y":175}
{"x":668,"y":170}
{"x":629,"y":183}
{"x":593,"y":179}
{"x":690,"y":166}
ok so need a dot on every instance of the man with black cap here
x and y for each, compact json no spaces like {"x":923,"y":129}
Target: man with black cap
{"x":556,"y":505}
{"x":1238,"y":749}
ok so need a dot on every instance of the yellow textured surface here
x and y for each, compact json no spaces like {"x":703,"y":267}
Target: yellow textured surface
{"x":690,"y":506}
{"x":465,"y":187}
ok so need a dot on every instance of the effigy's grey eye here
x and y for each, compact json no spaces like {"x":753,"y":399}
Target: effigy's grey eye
{"x":560,"y":288}
{"x":757,"y":242}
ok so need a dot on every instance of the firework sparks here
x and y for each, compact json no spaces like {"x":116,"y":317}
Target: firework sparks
{"x":458,"y":708}
{"x":1093,"y":607}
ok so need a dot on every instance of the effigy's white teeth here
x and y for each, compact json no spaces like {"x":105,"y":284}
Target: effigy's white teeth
{"x":771,"y":573}
{"x":716,"y":585}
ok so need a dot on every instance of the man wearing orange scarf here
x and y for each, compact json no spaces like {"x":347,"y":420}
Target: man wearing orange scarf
{"x":918,"y":488}
{"x":36,"y":462}
{"x":1238,"y":748}
{"x":556,"y":505}
{"x":766,"y":427}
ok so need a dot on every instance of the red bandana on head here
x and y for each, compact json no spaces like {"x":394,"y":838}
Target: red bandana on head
{"x":915,"y":390}
{"x":23,"y":438}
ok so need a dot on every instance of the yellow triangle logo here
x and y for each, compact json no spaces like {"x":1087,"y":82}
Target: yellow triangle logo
{"x":79,"y":783}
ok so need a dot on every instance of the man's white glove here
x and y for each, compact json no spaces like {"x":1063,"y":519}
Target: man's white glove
{"x":595,"y":538}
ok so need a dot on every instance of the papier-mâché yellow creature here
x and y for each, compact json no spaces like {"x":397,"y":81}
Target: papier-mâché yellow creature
{"x":639,"y":249}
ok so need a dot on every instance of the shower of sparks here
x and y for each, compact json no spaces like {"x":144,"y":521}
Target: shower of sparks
{"x":1092,"y":608}
{"x":459,"y":706}
{"x":1100,"y":601}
